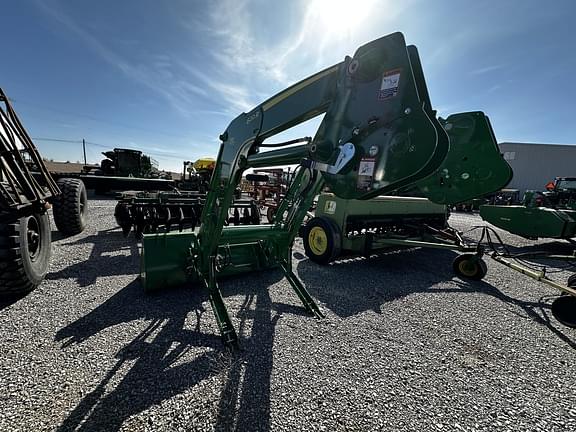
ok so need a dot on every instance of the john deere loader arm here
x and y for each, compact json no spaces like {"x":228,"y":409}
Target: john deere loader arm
{"x":379,"y":133}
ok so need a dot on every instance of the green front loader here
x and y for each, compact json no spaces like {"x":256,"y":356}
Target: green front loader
{"x":379,"y":134}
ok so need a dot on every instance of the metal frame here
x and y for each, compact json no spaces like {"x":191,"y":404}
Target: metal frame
{"x":377,"y":113}
{"x":20,"y":193}
{"x":539,"y":276}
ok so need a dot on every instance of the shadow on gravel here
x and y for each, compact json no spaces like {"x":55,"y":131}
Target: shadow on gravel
{"x":385,"y":278}
{"x":552,"y":247}
{"x":157,"y":357}
{"x":375,"y":281}
{"x":9,"y":300}
{"x":245,"y":398}
{"x":538,"y":312}
{"x":111,"y":255}
{"x":56,"y":235}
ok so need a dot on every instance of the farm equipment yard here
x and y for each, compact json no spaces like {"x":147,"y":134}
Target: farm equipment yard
{"x":405,"y":345}
{"x":350,"y":230}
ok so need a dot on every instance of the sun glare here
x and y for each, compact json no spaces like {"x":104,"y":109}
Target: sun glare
{"x":345,"y":16}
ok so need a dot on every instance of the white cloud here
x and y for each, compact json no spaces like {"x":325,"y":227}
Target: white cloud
{"x":251,"y":67}
{"x":245,"y":67}
{"x":487,"y":69}
{"x":234,"y":98}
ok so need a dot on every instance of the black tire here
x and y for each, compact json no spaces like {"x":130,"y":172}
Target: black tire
{"x":564,"y":310}
{"x":71,"y":207}
{"x":107,"y":167}
{"x":270,"y":213}
{"x":572,"y":281}
{"x":24,"y":254}
{"x":322,"y":240}
{"x":470,"y":266}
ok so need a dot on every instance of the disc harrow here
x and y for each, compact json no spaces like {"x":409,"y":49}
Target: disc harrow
{"x":153,"y":212}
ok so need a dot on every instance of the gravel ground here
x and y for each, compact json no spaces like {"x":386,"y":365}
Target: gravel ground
{"x":405,"y":346}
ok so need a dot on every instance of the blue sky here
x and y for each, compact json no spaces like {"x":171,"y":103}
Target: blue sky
{"x":167,"y":77}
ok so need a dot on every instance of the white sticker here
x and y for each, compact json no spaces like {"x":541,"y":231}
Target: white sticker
{"x":389,"y":85}
{"x":366,"y":167}
{"x":330,"y":207}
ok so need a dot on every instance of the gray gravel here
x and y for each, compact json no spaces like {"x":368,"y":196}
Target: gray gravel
{"x":405,"y":346}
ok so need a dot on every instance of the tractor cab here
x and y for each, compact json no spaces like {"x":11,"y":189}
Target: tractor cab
{"x":561,"y":193}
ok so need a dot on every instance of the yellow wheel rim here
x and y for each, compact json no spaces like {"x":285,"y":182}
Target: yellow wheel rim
{"x":317,"y":240}
{"x":467,"y":268}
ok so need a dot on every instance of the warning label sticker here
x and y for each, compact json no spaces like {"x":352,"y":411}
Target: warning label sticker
{"x":389,"y":85}
{"x":367,"y":167}
{"x":330,"y":207}
{"x":365,"y":173}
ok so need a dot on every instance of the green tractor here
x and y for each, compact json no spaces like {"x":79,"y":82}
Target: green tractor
{"x":126,"y":163}
{"x":122,"y":169}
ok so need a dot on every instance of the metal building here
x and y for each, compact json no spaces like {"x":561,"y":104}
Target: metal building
{"x":535,"y":165}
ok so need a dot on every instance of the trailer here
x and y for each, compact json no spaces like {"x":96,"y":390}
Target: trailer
{"x":25,"y":234}
{"x":102,"y":184}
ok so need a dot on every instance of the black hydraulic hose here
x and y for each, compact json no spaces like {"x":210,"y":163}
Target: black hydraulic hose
{"x":487,"y":233}
{"x":307,"y":140}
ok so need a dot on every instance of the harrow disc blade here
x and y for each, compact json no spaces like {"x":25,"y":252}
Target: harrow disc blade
{"x":123,"y":218}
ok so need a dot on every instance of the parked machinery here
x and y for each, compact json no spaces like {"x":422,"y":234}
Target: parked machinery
{"x":161,"y":211}
{"x":379,"y":134}
{"x":269,"y":187}
{"x":124,"y":170}
{"x":548,"y":214}
{"x":25,"y":235}
{"x":356,"y":227}
{"x":501,"y":197}
{"x":342,"y":226}
{"x":151,"y":212}
{"x":504,"y":197}
{"x":196,"y":175}
{"x":126,"y":163}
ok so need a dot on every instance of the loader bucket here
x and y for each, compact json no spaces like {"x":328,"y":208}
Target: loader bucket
{"x":388,"y":117}
{"x":164,"y":259}
{"x":473,"y":167}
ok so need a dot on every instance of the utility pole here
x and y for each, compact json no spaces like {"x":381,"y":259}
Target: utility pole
{"x":84,"y":148}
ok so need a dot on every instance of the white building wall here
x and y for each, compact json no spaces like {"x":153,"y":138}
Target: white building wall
{"x":535,"y":165}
